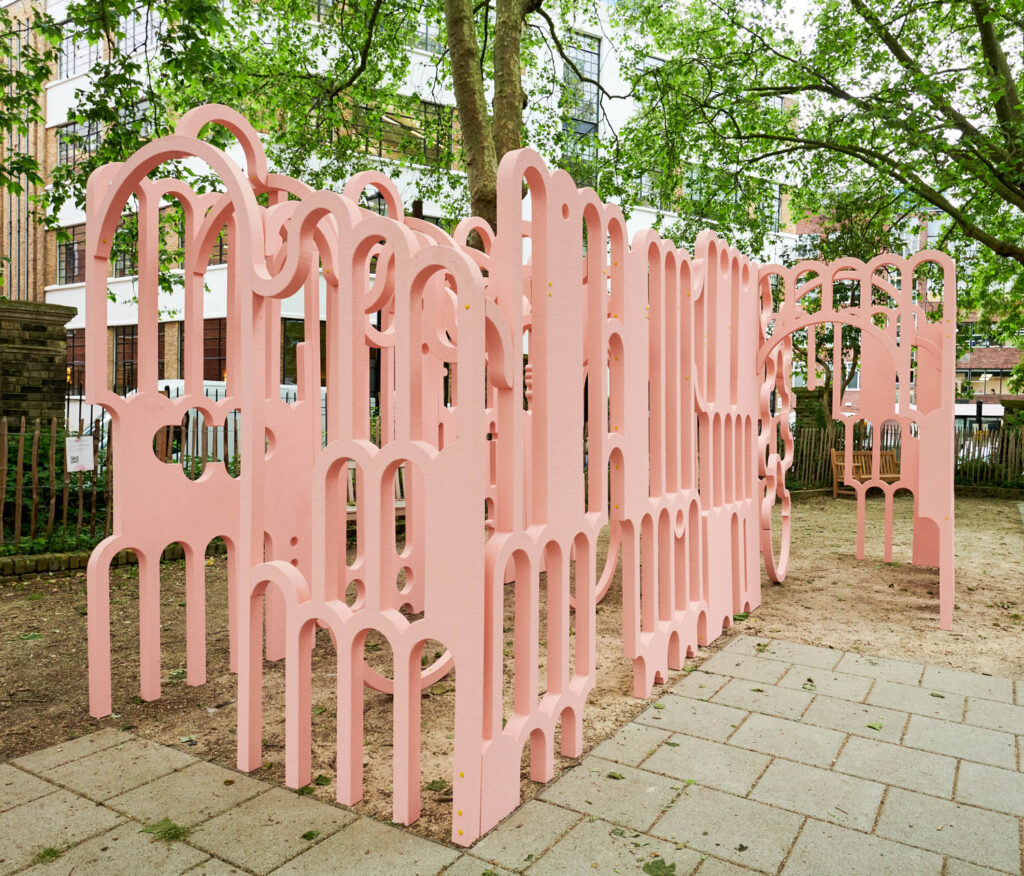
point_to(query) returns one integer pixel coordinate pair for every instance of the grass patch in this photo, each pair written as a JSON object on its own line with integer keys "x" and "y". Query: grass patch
{"x": 167, "y": 831}
{"x": 45, "y": 855}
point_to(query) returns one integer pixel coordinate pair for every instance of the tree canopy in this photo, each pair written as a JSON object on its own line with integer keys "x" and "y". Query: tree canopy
{"x": 921, "y": 100}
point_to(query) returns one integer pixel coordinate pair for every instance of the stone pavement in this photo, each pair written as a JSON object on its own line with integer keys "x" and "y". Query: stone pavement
{"x": 773, "y": 757}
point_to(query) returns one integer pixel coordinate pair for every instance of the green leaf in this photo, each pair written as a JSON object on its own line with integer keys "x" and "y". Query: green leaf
{"x": 617, "y": 776}
{"x": 658, "y": 867}
{"x": 940, "y": 696}
{"x": 437, "y": 785}
{"x": 29, "y": 637}
{"x": 659, "y": 705}
{"x": 322, "y": 780}
{"x": 876, "y": 726}
{"x": 305, "y": 791}
{"x": 742, "y": 616}
{"x": 310, "y": 835}
{"x": 319, "y": 710}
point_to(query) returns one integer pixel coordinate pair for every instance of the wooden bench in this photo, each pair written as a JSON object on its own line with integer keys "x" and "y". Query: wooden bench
{"x": 399, "y": 492}
{"x": 888, "y": 465}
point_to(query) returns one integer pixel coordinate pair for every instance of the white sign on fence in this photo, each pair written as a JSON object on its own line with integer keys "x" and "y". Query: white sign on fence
{"x": 79, "y": 454}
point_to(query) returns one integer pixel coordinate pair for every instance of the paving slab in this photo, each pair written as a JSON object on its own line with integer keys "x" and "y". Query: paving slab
{"x": 112, "y": 771}
{"x": 215, "y": 867}
{"x": 526, "y": 834}
{"x": 991, "y": 788}
{"x": 767, "y": 699}
{"x": 17, "y": 787}
{"x": 835, "y": 797}
{"x": 369, "y": 848}
{"x": 700, "y": 685}
{"x": 632, "y": 744}
{"x": 955, "y": 867}
{"x": 817, "y": 746}
{"x": 715, "y": 867}
{"x": 695, "y": 717}
{"x": 917, "y": 700}
{"x": 191, "y": 795}
{"x": 55, "y": 821}
{"x": 750, "y": 668}
{"x": 824, "y": 681}
{"x": 1019, "y": 689}
{"x": 901, "y": 671}
{"x": 856, "y": 718}
{"x": 827, "y": 848}
{"x": 123, "y": 851}
{"x": 712, "y": 764}
{"x": 972, "y": 684}
{"x": 48, "y": 758}
{"x": 264, "y": 832}
{"x": 961, "y": 740}
{"x": 975, "y": 835}
{"x": 742, "y": 831}
{"x": 786, "y": 652}
{"x": 635, "y": 800}
{"x": 600, "y": 847}
{"x": 995, "y": 716}
{"x": 470, "y": 865}
{"x": 895, "y": 765}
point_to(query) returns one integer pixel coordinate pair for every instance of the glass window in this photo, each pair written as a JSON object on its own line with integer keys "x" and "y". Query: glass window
{"x": 76, "y": 142}
{"x": 293, "y": 333}
{"x": 76, "y": 361}
{"x": 141, "y": 32}
{"x": 584, "y": 106}
{"x": 428, "y": 37}
{"x": 76, "y": 56}
{"x": 71, "y": 256}
{"x": 215, "y": 349}
{"x": 126, "y": 355}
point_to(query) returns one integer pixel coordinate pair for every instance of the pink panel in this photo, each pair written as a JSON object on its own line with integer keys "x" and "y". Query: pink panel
{"x": 649, "y": 388}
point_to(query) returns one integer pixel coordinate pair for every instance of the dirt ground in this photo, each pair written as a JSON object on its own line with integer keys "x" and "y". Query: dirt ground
{"x": 829, "y": 598}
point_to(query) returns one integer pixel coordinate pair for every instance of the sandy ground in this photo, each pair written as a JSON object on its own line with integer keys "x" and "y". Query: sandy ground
{"x": 829, "y": 598}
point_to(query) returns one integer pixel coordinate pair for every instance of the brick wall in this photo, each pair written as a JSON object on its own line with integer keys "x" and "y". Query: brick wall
{"x": 33, "y": 367}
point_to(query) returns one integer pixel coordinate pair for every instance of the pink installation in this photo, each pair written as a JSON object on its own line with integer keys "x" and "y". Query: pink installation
{"x": 645, "y": 405}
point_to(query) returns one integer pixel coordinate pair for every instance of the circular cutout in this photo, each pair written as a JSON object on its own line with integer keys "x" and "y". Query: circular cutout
{"x": 294, "y": 541}
{"x": 565, "y": 211}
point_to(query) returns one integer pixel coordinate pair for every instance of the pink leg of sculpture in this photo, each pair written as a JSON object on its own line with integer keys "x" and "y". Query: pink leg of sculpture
{"x": 149, "y": 626}
{"x": 195, "y": 621}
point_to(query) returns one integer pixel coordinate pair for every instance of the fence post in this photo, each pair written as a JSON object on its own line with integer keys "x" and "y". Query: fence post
{"x": 34, "y": 513}
{"x": 53, "y": 481}
{"x": 18, "y": 477}
{"x": 3, "y": 474}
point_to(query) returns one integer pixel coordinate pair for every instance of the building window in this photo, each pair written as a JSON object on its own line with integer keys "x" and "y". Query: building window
{"x": 160, "y": 341}
{"x": 76, "y": 56}
{"x": 215, "y": 349}
{"x": 219, "y": 253}
{"x": 424, "y": 136}
{"x": 126, "y": 356}
{"x": 76, "y": 142}
{"x": 71, "y": 256}
{"x": 123, "y": 254}
{"x": 141, "y": 33}
{"x": 76, "y": 361}
{"x": 293, "y": 332}
{"x": 584, "y": 111}
{"x": 428, "y": 37}
{"x": 437, "y": 128}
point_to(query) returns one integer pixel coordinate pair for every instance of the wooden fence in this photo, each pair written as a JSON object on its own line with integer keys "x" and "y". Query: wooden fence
{"x": 45, "y": 507}
{"x": 983, "y": 458}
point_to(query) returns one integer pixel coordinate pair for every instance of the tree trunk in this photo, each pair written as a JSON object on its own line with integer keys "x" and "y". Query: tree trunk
{"x": 471, "y": 103}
